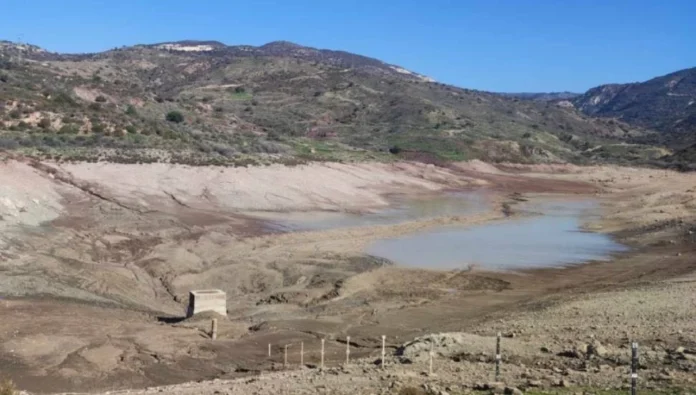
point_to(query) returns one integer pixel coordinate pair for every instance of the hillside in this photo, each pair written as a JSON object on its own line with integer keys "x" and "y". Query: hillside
{"x": 203, "y": 102}
{"x": 666, "y": 104}
{"x": 543, "y": 96}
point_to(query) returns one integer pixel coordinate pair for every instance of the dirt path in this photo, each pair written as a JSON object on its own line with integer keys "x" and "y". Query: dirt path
{"x": 98, "y": 260}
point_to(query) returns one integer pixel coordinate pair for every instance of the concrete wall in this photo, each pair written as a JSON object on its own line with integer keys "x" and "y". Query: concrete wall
{"x": 213, "y": 300}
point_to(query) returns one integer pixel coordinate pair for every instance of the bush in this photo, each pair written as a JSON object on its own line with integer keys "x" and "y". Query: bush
{"x": 94, "y": 106}
{"x": 239, "y": 89}
{"x": 44, "y": 123}
{"x": 395, "y": 149}
{"x": 69, "y": 129}
{"x": 100, "y": 99}
{"x": 131, "y": 129}
{"x": 98, "y": 128}
{"x": 130, "y": 110}
{"x": 64, "y": 98}
{"x": 175, "y": 116}
{"x": 7, "y": 144}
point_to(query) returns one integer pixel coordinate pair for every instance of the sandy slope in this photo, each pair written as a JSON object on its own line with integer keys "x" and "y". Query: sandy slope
{"x": 301, "y": 188}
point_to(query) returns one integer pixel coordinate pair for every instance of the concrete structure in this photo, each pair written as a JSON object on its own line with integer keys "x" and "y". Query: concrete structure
{"x": 201, "y": 301}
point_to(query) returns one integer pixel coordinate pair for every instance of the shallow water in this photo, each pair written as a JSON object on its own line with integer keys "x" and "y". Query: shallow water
{"x": 553, "y": 238}
{"x": 402, "y": 210}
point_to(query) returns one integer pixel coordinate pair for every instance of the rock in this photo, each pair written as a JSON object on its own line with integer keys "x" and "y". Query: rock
{"x": 443, "y": 392}
{"x": 492, "y": 386}
{"x": 582, "y": 348}
{"x": 596, "y": 348}
{"x": 513, "y": 391}
{"x": 545, "y": 349}
{"x": 680, "y": 350}
{"x": 534, "y": 383}
{"x": 560, "y": 383}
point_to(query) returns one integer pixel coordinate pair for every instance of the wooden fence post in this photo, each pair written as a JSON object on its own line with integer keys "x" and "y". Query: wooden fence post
{"x": 214, "y": 329}
{"x": 497, "y": 357}
{"x": 383, "y": 350}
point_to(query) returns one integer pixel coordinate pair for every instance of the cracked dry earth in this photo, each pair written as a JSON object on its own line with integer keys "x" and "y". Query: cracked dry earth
{"x": 97, "y": 261}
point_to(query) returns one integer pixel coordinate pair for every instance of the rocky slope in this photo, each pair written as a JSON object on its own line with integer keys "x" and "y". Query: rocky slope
{"x": 666, "y": 103}
{"x": 204, "y": 102}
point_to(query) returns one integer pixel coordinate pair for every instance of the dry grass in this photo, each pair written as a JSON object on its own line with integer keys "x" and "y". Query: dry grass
{"x": 7, "y": 387}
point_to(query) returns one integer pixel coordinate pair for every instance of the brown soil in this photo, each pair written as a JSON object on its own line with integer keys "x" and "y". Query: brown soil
{"x": 99, "y": 260}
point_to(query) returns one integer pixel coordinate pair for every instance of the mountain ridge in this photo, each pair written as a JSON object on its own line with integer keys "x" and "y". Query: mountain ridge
{"x": 666, "y": 103}
{"x": 204, "y": 102}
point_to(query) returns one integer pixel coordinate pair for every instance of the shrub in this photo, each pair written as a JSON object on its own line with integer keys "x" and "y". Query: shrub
{"x": 68, "y": 129}
{"x": 15, "y": 114}
{"x": 7, "y": 144}
{"x": 44, "y": 123}
{"x": 100, "y": 99}
{"x": 64, "y": 98}
{"x": 395, "y": 149}
{"x": 98, "y": 128}
{"x": 131, "y": 129}
{"x": 239, "y": 89}
{"x": 175, "y": 116}
{"x": 130, "y": 110}
{"x": 4, "y": 77}
{"x": 94, "y": 106}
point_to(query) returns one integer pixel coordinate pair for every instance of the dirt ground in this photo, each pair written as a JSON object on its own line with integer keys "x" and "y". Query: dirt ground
{"x": 98, "y": 259}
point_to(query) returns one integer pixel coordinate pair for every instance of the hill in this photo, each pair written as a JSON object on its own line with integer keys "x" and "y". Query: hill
{"x": 204, "y": 102}
{"x": 666, "y": 104}
{"x": 543, "y": 96}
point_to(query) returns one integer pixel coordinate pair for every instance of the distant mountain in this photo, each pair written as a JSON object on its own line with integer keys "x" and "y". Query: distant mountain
{"x": 543, "y": 96}
{"x": 666, "y": 104}
{"x": 204, "y": 102}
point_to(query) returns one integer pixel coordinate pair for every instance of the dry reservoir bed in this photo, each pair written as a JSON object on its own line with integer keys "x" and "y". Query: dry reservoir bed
{"x": 98, "y": 260}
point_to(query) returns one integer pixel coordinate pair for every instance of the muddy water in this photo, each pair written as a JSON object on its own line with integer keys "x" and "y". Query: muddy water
{"x": 549, "y": 235}
{"x": 552, "y": 237}
{"x": 402, "y": 210}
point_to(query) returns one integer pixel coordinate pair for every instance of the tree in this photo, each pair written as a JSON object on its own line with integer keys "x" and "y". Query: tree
{"x": 175, "y": 116}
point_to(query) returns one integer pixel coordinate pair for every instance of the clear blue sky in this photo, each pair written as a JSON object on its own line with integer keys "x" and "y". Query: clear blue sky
{"x": 496, "y": 45}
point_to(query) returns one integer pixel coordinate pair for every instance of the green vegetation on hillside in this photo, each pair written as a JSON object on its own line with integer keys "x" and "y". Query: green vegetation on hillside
{"x": 280, "y": 103}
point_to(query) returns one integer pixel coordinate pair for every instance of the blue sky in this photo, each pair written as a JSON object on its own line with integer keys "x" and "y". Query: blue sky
{"x": 496, "y": 45}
